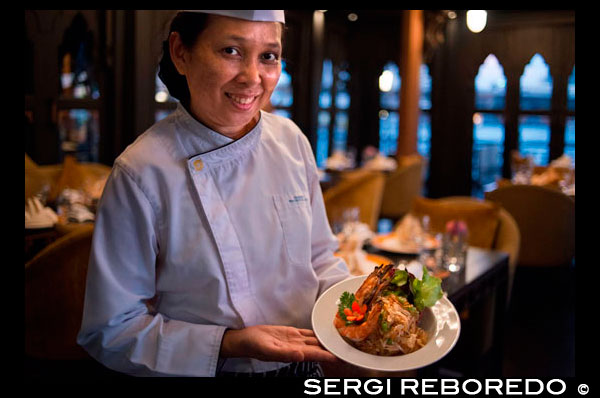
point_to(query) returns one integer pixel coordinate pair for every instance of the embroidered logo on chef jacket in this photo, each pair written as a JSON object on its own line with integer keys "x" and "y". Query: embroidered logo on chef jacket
{"x": 298, "y": 198}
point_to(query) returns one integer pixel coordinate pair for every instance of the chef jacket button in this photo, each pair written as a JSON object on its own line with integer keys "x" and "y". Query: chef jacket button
{"x": 198, "y": 165}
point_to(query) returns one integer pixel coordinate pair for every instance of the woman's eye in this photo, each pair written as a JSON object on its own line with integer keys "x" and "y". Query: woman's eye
{"x": 231, "y": 51}
{"x": 271, "y": 57}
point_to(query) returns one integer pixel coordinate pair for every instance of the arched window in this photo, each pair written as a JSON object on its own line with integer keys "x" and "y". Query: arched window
{"x": 535, "y": 103}
{"x": 488, "y": 124}
{"x": 78, "y": 107}
{"x": 570, "y": 121}
{"x": 334, "y": 103}
{"x": 283, "y": 95}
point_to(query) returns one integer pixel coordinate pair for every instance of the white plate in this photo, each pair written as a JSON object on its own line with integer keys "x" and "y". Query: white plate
{"x": 390, "y": 243}
{"x": 441, "y": 322}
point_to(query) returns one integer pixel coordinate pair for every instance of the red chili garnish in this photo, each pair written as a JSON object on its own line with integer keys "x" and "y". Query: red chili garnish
{"x": 357, "y": 313}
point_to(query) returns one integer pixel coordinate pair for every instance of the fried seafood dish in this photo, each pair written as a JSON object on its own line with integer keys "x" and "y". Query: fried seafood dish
{"x": 382, "y": 316}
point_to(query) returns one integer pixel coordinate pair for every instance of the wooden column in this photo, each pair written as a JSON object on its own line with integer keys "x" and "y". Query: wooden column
{"x": 410, "y": 65}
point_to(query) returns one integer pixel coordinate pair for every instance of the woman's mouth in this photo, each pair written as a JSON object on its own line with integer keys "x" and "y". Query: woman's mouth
{"x": 243, "y": 102}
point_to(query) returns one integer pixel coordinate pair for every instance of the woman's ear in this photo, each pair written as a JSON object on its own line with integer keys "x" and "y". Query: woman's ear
{"x": 177, "y": 51}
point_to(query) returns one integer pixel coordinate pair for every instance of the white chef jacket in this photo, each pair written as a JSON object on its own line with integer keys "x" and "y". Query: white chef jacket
{"x": 196, "y": 233}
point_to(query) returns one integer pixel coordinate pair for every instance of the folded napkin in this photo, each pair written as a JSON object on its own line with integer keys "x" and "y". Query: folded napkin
{"x": 352, "y": 239}
{"x": 410, "y": 232}
{"x": 353, "y": 236}
{"x": 413, "y": 236}
{"x": 381, "y": 162}
{"x": 38, "y": 216}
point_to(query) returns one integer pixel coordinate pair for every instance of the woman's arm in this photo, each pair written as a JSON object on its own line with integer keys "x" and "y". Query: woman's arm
{"x": 119, "y": 328}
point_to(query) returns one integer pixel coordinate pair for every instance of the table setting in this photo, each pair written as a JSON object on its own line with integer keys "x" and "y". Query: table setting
{"x": 340, "y": 160}
{"x": 560, "y": 173}
{"x": 47, "y": 221}
{"x": 352, "y": 236}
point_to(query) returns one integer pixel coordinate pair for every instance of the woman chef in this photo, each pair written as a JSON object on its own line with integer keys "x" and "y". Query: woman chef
{"x": 211, "y": 241}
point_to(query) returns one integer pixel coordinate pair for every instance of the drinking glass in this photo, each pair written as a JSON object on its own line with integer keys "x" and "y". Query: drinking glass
{"x": 454, "y": 252}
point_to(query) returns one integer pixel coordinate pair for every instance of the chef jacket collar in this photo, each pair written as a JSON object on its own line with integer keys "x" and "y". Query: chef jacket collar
{"x": 211, "y": 146}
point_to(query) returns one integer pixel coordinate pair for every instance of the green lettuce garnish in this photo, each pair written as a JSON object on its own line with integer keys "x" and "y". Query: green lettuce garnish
{"x": 400, "y": 277}
{"x": 427, "y": 291}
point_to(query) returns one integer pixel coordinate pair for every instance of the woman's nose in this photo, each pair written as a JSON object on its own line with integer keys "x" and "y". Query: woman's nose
{"x": 250, "y": 73}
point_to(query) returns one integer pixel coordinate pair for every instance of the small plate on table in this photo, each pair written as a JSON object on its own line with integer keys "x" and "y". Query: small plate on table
{"x": 441, "y": 322}
{"x": 390, "y": 243}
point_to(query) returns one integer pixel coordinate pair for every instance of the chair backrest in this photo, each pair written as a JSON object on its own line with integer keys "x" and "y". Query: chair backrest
{"x": 481, "y": 217}
{"x": 41, "y": 178}
{"x": 89, "y": 177}
{"x": 401, "y": 188}
{"x": 508, "y": 239}
{"x": 29, "y": 163}
{"x": 54, "y": 294}
{"x": 357, "y": 188}
{"x": 546, "y": 220}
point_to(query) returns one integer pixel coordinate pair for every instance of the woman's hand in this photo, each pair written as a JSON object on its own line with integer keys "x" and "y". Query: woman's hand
{"x": 274, "y": 343}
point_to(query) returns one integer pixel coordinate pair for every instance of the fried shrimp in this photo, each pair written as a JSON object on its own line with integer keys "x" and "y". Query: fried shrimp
{"x": 382, "y": 317}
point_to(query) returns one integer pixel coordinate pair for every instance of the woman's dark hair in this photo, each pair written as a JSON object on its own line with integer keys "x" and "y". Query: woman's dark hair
{"x": 189, "y": 25}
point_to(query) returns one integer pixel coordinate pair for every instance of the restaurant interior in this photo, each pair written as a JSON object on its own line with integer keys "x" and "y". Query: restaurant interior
{"x": 422, "y": 122}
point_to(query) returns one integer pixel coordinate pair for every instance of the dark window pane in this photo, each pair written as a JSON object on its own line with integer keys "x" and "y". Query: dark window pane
{"x": 424, "y": 135}
{"x": 388, "y": 132}
{"x": 488, "y": 149}
{"x": 322, "y": 138}
{"x": 570, "y": 138}
{"x": 283, "y": 95}
{"x": 76, "y": 63}
{"x": 425, "y": 83}
{"x": 340, "y": 131}
{"x": 79, "y": 133}
{"x": 571, "y": 92}
{"x": 534, "y": 137}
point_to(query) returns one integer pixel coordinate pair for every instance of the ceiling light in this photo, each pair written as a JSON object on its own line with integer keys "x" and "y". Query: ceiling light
{"x": 476, "y": 20}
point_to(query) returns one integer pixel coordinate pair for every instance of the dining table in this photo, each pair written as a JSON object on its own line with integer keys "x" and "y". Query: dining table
{"x": 478, "y": 292}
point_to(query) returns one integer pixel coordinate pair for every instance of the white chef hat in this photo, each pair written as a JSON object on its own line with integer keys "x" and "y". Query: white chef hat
{"x": 250, "y": 15}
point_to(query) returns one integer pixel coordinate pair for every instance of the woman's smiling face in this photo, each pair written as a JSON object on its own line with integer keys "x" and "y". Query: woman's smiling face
{"x": 231, "y": 71}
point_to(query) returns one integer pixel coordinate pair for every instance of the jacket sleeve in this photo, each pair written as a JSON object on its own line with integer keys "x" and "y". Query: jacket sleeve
{"x": 119, "y": 327}
{"x": 329, "y": 268}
